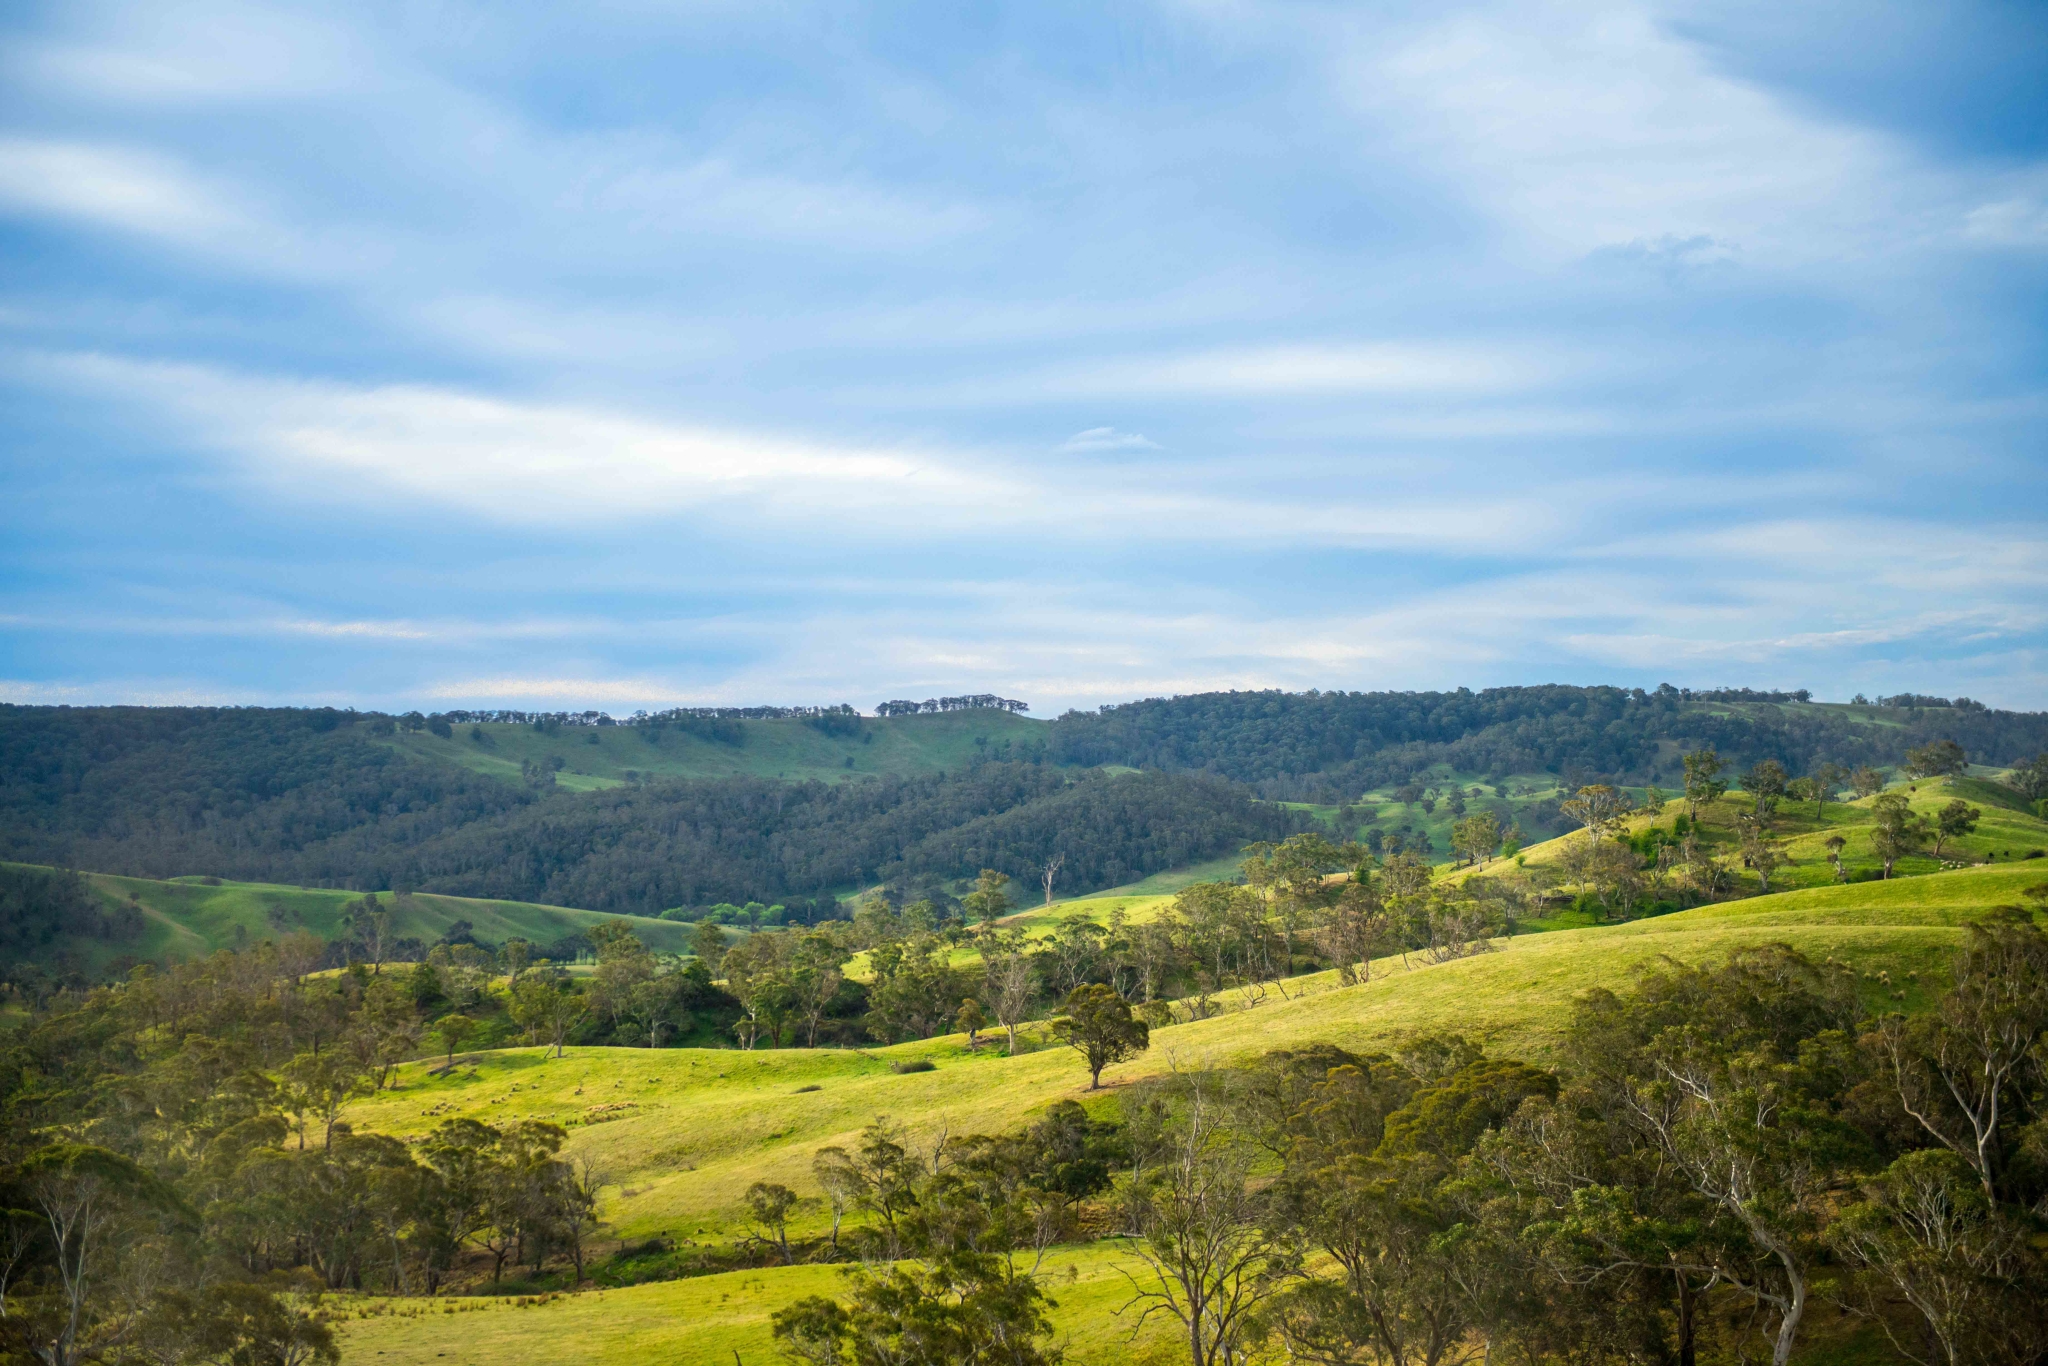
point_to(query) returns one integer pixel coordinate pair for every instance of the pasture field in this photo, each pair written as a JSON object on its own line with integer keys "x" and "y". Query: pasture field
{"x": 2006, "y": 834}
{"x": 712, "y": 1320}
{"x": 190, "y": 917}
{"x": 606, "y": 756}
{"x": 683, "y": 1132}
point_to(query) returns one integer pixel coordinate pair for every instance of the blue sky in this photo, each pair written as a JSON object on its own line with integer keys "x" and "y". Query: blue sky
{"x": 630, "y": 355}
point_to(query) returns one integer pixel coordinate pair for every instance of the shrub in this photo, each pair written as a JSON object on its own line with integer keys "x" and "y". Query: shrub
{"x": 915, "y": 1065}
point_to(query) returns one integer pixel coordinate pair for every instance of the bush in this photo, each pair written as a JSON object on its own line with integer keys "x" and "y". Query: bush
{"x": 915, "y": 1065}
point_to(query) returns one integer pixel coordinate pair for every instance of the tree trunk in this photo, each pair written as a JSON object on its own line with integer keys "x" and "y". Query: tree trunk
{"x": 1688, "y": 1332}
{"x": 1788, "y": 1330}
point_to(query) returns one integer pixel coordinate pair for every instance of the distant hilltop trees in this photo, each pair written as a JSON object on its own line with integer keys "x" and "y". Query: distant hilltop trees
{"x": 638, "y": 718}
{"x": 969, "y": 703}
{"x": 417, "y": 721}
{"x": 1733, "y": 694}
{"x": 1914, "y": 699}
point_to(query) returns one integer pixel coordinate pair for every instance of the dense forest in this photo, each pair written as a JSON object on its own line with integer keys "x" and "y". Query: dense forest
{"x": 1328, "y": 746}
{"x": 690, "y": 843}
{"x": 310, "y": 797}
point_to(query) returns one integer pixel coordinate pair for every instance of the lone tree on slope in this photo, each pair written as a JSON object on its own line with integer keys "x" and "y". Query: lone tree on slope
{"x": 1099, "y": 1025}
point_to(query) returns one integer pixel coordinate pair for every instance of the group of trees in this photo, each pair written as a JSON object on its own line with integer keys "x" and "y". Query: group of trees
{"x": 1720, "y": 1150}
{"x": 177, "y": 1182}
{"x": 971, "y": 702}
{"x": 1622, "y": 871}
{"x": 39, "y": 908}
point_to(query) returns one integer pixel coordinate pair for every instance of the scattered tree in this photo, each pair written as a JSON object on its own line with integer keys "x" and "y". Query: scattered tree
{"x": 1703, "y": 784}
{"x": 1895, "y": 831}
{"x": 1941, "y": 759}
{"x": 769, "y": 1205}
{"x": 1099, "y": 1025}
{"x": 989, "y": 901}
{"x": 1954, "y": 821}
{"x": 1765, "y": 783}
{"x": 452, "y": 1030}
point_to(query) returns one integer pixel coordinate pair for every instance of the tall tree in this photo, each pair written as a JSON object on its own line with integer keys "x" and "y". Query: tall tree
{"x": 1954, "y": 821}
{"x": 1895, "y": 830}
{"x": 1765, "y": 783}
{"x": 1100, "y": 1027}
{"x": 1940, "y": 759}
{"x": 1703, "y": 784}
{"x": 989, "y": 900}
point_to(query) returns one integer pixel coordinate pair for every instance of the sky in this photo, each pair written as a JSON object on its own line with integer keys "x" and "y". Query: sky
{"x": 619, "y": 355}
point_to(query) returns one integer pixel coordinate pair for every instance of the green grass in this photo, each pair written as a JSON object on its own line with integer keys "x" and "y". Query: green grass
{"x": 713, "y": 1320}
{"x": 601, "y": 756}
{"x": 703, "y": 1124}
{"x": 683, "y": 1132}
{"x": 2005, "y": 834}
{"x": 185, "y": 918}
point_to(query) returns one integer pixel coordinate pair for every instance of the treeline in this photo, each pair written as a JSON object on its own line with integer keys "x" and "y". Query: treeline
{"x": 970, "y": 702}
{"x": 1329, "y": 746}
{"x": 199, "y": 1219}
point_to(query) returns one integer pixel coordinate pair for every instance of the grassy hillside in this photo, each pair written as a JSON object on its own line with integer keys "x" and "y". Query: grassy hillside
{"x": 2006, "y": 832}
{"x": 706, "y": 1123}
{"x": 683, "y": 1132}
{"x": 190, "y": 917}
{"x": 605, "y": 756}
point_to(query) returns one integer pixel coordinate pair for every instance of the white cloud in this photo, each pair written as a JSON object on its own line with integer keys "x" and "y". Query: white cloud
{"x": 1368, "y": 367}
{"x": 114, "y": 186}
{"x": 514, "y": 690}
{"x": 1281, "y": 370}
{"x": 2021, "y": 221}
{"x": 577, "y": 466}
{"x": 1108, "y": 439}
{"x": 193, "y": 51}
{"x": 525, "y": 462}
{"x": 1590, "y": 126}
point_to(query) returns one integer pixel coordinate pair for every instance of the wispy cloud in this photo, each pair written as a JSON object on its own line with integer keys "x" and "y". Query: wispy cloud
{"x": 742, "y": 352}
{"x": 111, "y": 186}
{"x": 1108, "y": 439}
{"x": 514, "y": 461}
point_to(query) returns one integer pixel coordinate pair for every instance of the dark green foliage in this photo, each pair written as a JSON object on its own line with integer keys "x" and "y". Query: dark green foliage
{"x": 39, "y": 907}
{"x": 1329, "y": 746}
{"x": 309, "y": 797}
{"x": 287, "y": 795}
{"x": 961, "y": 1309}
{"x": 1099, "y": 1026}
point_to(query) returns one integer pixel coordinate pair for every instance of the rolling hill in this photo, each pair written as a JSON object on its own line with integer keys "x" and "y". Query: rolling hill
{"x": 683, "y": 1132}
{"x": 192, "y": 916}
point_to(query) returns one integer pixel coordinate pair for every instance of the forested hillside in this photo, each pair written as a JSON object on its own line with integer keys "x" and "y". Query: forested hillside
{"x": 1329, "y": 746}
{"x": 319, "y": 798}
{"x": 673, "y": 844}
{"x": 551, "y": 808}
